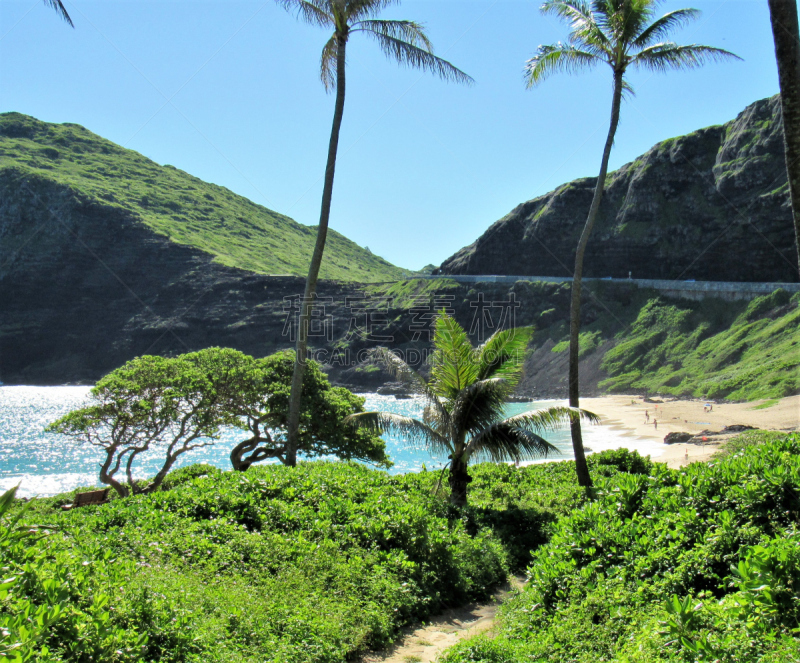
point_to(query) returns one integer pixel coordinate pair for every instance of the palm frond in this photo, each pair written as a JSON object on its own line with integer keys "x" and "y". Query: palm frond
{"x": 664, "y": 25}
{"x": 503, "y": 354}
{"x": 327, "y": 64}
{"x": 362, "y": 9}
{"x": 61, "y": 10}
{"x": 418, "y": 58}
{"x": 555, "y": 59}
{"x": 503, "y": 441}
{"x": 585, "y": 32}
{"x": 415, "y": 383}
{"x": 455, "y": 365}
{"x": 630, "y": 17}
{"x": 417, "y": 433}
{"x": 315, "y": 12}
{"x": 408, "y": 31}
{"x": 669, "y": 55}
{"x": 550, "y": 418}
{"x": 479, "y": 405}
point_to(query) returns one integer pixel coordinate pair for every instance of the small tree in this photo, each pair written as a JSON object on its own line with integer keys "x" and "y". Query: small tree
{"x": 260, "y": 399}
{"x": 465, "y": 398}
{"x": 149, "y": 403}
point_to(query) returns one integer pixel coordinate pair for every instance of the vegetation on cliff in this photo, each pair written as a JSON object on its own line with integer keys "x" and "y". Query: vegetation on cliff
{"x": 633, "y": 339}
{"x": 174, "y": 204}
{"x": 671, "y": 349}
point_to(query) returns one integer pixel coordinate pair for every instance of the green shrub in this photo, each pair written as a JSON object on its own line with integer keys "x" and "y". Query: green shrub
{"x": 697, "y": 564}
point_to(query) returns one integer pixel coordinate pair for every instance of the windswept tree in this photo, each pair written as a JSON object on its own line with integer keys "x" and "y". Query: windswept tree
{"x": 259, "y": 398}
{"x": 465, "y": 401}
{"x": 786, "y": 35}
{"x": 403, "y": 41}
{"x": 175, "y": 405}
{"x": 624, "y": 35}
{"x": 152, "y": 404}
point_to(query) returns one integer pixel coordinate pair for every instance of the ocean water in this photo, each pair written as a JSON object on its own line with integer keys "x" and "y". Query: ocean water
{"x": 49, "y": 463}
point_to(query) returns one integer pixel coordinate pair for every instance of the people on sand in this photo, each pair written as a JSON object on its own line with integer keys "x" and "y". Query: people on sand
{"x": 655, "y": 424}
{"x": 646, "y": 417}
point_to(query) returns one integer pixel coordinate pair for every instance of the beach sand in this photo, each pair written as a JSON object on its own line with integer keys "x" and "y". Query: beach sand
{"x": 627, "y": 415}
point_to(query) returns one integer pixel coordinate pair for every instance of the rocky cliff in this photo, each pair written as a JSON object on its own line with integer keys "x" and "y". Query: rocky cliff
{"x": 712, "y": 205}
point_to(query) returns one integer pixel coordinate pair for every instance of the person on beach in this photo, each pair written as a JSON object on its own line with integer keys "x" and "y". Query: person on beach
{"x": 655, "y": 424}
{"x": 646, "y": 417}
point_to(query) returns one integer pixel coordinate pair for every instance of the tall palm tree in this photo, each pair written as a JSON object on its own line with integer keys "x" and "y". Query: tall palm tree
{"x": 623, "y": 35}
{"x": 61, "y": 10}
{"x": 786, "y": 35}
{"x": 465, "y": 398}
{"x": 405, "y": 42}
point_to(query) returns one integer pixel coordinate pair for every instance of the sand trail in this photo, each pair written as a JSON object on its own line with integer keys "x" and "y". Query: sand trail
{"x": 422, "y": 644}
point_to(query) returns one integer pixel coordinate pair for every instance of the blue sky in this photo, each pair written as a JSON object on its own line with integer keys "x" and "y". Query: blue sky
{"x": 229, "y": 91}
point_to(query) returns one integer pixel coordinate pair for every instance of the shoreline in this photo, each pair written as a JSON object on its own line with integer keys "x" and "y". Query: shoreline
{"x": 626, "y": 414}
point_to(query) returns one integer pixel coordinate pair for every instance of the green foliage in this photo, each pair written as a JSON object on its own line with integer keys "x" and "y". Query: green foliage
{"x": 302, "y": 564}
{"x": 53, "y": 601}
{"x": 465, "y": 398}
{"x": 306, "y": 564}
{"x": 683, "y": 350}
{"x": 698, "y": 564}
{"x": 258, "y": 396}
{"x": 587, "y": 342}
{"x": 176, "y": 205}
{"x": 180, "y": 403}
{"x": 413, "y": 292}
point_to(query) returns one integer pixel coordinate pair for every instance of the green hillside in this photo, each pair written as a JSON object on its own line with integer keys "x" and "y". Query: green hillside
{"x": 236, "y": 231}
{"x": 711, "y": 349}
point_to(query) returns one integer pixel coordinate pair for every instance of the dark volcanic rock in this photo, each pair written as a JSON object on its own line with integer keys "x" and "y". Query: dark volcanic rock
{"x": 712, "y": 205}
{"x": 675, "y": 438}
{"x": 737, "y": 428}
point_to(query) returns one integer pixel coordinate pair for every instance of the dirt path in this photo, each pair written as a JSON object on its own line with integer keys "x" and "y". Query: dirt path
{"x": 424, "y": 643}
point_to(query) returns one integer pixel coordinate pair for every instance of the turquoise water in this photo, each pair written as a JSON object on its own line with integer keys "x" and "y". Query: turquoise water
{"x": 48, "y": 463}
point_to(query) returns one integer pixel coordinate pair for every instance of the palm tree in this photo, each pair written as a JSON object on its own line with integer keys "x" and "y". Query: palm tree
{"x": 60, "y": 10}
{"x": 405, "y": 42}
{"x": 465, "y": 398}
{"x": 623, "y": 35}
{"x": 786, "y": 34}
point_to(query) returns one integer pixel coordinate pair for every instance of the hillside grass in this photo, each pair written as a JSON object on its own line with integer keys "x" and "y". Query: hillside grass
{"x": 176, "y": 205}
{"x": 312, "y": 564}
{"x": 679, "y": 349}
{"x": 696, "y": 564}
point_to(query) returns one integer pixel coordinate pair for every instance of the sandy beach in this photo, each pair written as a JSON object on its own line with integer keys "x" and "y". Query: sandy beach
{"x": 628, "y": 414}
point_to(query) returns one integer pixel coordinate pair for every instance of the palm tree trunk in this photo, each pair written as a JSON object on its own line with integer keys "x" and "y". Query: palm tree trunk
{"x": 785, "y": 32}
{"x": 459, "y": 480}
{"x": 316, "y": 260}
{"x": 575, "y": 304}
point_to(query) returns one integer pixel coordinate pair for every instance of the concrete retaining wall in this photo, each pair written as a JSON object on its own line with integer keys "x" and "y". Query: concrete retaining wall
{"x": 686, "y": 289}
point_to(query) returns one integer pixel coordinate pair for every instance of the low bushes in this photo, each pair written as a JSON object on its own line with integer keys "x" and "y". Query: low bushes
{"x": 291, "y": 565}
{"x": 698, "y": 564}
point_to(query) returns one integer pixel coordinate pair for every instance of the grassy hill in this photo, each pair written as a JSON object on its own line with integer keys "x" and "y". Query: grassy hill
{"x": 236, "y": 231}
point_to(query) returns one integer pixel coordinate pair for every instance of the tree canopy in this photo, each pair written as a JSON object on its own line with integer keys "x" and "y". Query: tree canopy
{"x": 180, "y": 404}
{"x": 260, "y": 402}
